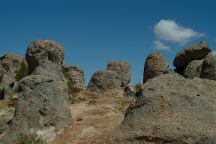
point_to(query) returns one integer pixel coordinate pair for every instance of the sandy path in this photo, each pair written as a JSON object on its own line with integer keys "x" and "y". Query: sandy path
{"x": 93, "y": 119}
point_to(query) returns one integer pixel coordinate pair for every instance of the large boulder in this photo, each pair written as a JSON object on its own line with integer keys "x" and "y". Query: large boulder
{"x": 43, "y": 99}
{"x": 104, "y": 82}
{"x": 155, "y": 65}
{"x": 171, "y": 110}
{"x": 209, "y": 67}
{"x": 195, "y": 52}
{"x": 193, "y": 69}
{"x": 123, "y": 69}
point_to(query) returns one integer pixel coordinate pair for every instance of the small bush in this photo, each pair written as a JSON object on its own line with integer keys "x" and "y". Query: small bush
{"x": 91, "y": 102}
{"x": 29, "y": 139}
{"x": 138, "y": 87}
{"x": 22, "y": 72}
{"x": 72, "y": 89}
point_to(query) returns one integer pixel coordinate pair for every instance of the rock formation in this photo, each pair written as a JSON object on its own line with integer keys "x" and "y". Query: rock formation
{"x": 42, "y": 102}
{"x": 170, "y": 110}
{"x": 155, "y": 65}
{"x": 104, "y": 82}
{"x": 195, "y": 52}
{"x": 209, "y": 67}
{"x": 193, "y": 69}
{"x": 123, "y": 69}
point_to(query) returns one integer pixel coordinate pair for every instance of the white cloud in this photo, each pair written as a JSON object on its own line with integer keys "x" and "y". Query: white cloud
{"x": 160, "y": 45}
{"x": 169, "y": 30}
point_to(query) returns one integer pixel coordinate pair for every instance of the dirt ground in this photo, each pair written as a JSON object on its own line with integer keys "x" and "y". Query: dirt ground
{"x": 93, "y": 118}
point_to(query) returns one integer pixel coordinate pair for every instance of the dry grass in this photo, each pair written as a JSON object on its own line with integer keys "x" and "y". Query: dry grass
{"x": 101, "y": 112}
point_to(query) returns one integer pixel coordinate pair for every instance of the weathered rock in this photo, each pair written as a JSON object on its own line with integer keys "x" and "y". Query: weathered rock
{"x": 11, "y": 64}
{"x": 123, "y": 69}
{"x": 44, "y": 50}
{"x": 104, "y": 82}
{"x": 209, "y": 67}
{"x": 171, "y": 110}
{"x": 41, "y": 103}
{"x": 193, "y": 69}
{"x": 155, "y": 65}
{"x": 77, "y": 75}
{"x": 43, "y": 99}
{"x": 195, "y": 52}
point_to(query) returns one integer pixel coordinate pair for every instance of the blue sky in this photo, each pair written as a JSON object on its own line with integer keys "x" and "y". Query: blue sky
{"x": 96, "y": 31}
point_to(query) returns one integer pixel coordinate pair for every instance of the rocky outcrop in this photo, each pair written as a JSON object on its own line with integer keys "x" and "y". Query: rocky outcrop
{"x": 43, "y": 96}
{"x": 123, "y": 69}
{"x": 209, "y": 67}
{"x": 193, "y": 69}
{"x": 155, "y": 65}
{"x": 77, "y": 75}
{"x": 195, "y": 52}
{"x": 104, "y": 82}
{"x": 171, "y": 109}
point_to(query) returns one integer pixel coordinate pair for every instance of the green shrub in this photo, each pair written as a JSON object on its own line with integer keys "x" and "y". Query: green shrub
{"x": 22, "y": 72}
{"x": 138, "y": 87}
{"x": 29, "y": 139}
{"x": 72, "y": 89}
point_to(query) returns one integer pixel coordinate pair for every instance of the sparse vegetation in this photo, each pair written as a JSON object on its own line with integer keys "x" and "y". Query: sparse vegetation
{"x": 29, "y": 139}
{"x": 138, "y": 87}
{"x": 92, "y": 102}
{"x": 72, "y": 89}
{"x": 22, "y": 72}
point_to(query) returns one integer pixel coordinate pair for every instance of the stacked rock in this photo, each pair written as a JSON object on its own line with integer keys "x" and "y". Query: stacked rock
{"x": 188, "y": 62}
{"x": 116, "y": 77}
